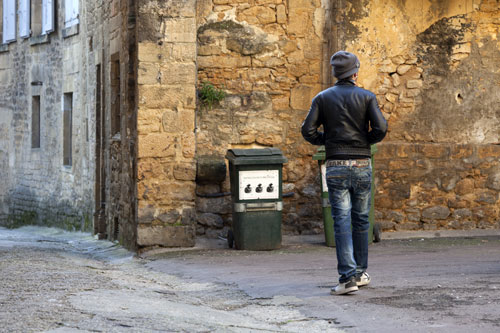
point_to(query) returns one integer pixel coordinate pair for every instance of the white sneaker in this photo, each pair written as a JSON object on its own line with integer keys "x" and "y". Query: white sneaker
{"x": 363, "y": 280}
{"x": 345, "y": 288}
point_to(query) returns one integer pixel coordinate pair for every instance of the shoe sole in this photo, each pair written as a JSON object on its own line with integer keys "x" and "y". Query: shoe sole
{"x": 345, "y": 291}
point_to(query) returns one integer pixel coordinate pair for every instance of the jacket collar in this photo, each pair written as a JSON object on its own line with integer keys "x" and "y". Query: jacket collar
{"x": 345, "y": 82}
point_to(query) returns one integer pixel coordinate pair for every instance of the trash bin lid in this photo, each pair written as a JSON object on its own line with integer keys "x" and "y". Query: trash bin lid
{"x": 255, "y": 156}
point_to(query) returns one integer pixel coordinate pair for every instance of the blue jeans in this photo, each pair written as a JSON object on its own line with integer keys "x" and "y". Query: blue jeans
{"x": 349, "y": 191}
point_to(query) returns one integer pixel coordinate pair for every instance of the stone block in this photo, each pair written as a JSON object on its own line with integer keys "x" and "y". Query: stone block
{"x": 413, "y": 84}
{"x": 178, "y": 73}
{"x": 149, "y": 73}
{"x": 152, "y": 52}
{"x": 269, "y": 139}
{"x": 387, "y": 66}
{"x": 185, "y": 171}
{"x": 461, "y": 151}
{"x": 257, "y": 15}
{"x": 167, "y": 97}
{"x": 156, "y": 145}
{"x": 166, "y": 235}
{"x": 435, "y": 213}
{"x": 146, "y": 215}
{"x": 180, "y": 30}
{"x": 188, "y": 144}
{"x": 211, "y": 220}
{"x": 301, "y": 97}
{"x": 465, "y": 186}
{"x": 281, "y": 14}
{"x": 299, "y": 21}
{"x": 220, "y": 205}
{"x": 223, "y": 62}
{"x": 487, "y": 196}
{"x": 485, "y": 151}
{"x": 435, "y": 150}
{"x": 408, "y": 226}
{"x": 178, "y": 121}
{"x": 403, "y": 69}
{"x": 387, "y": 225}
{"x": 462, "y": 213}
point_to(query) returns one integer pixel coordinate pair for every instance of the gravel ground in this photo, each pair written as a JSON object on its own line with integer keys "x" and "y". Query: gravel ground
{"x": 56, "y": 281}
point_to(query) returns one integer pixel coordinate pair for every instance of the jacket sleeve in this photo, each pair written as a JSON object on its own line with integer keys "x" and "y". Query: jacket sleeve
{"x": 378, "y": 124}
{"x": 310, "y": 125}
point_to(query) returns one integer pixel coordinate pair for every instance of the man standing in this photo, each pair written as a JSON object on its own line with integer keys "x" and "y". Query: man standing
{"x": 352, "y": 121}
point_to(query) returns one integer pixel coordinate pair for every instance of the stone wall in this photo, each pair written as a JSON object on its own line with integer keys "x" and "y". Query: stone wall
{"x": 433, "y": 65}
{"x": 435, "y": 75}
{"x": 165, "y": 122}
{"x": 268, "y": 57}
{"x": 35, "y": 186}
{"x": 437, "y": 186}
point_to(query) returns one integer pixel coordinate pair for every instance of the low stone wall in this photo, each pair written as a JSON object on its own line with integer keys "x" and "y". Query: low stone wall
{"x": 437, "y": 186}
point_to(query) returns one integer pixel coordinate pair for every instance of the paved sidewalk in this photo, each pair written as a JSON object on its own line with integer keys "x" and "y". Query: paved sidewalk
{"x": 432, "y": 281}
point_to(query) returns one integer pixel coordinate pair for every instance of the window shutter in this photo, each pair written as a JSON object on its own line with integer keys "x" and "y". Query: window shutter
{"x": 24, "y": 18}
{"x": 47, "y": 16}
{"x": 70, "y": 13}
{"x": 9, "y": 20}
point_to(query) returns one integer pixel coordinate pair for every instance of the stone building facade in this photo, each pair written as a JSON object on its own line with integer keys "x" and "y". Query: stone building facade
{"x": 123, "y": 137}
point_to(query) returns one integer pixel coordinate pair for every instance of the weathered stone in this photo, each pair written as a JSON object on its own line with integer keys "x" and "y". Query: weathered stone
{"x": 395, "y": 216}
{"x": 281, "y": 14}
{"x": 301, "y": 97}
{"x": 387, "y": 66}
{"x": 413, "y": 84}
{"x": 403, "y": 69}
{"x": 487, "y": 196}
{"x": 386, "y": 225}
{"x": 436, "y": 213}
{"x": 396, "y": 81}
{"x": 167, "y": 236}
{"x": 169, "y": 217}
{"x": 211, "y": 220}
{"x": 393, "y": 98}
{"x": 258, "y": 15}
{"x": 493, "y": 181}
{"x": 408, "y": 226}
{"x": 156, "y": 145}
{"x": 185, "y": 171}
{"x": 211, "y": 169}
{"x": 218, "y": 205}
{"x": 465, "y": 186}
{"x": 461, "y": 214}
{"x": 146, "y": 215}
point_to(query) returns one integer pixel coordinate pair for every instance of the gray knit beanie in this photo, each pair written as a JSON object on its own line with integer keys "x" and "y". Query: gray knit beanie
{"x": 344, "y": 64}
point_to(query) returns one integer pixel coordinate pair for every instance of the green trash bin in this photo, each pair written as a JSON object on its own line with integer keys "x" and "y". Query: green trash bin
{"x": 325, "y": 202}
{"x": 257, "y": 198}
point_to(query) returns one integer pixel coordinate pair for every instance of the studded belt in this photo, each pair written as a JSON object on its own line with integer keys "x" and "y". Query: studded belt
{"x": 352, "y": 163}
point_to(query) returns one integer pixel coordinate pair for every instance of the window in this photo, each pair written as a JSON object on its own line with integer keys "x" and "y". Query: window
{"x": 9, "y": 21}
{"x": 47, "y": 16}
{"x": 35, "y": 122}
{"x": 67, "y": 128}
{"x": 115, "y": 96}
{"x": 70, "y": 13}
{"x": 24, "y": 18}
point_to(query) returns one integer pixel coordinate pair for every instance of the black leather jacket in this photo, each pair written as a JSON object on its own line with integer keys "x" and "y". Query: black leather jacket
{"x": 351, "y": 120}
